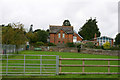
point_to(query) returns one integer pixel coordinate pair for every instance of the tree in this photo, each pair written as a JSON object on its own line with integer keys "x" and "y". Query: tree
{"x": 42, "y": 35}
{"x": 117, "y": 39}
{"x": 89, "y": 29}
{"x": 32, "y": 37}
{"x": 14, "y": 34}
{"x": 66, "y": 23}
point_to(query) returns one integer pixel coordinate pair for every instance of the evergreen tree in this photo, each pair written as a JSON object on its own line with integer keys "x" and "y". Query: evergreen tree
{"x": 66, "y": 23}
{"x": 89, "y": 29}
{"x": 117, "y": 39}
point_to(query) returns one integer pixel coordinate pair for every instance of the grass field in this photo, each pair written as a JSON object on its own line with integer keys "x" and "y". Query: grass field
{"x": 73, "y": 69}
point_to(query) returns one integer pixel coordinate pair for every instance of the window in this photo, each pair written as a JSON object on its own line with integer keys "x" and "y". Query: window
{"x": 103, "y": 38}
{"x": 63, "y": 35}
{"x": 74, "y": 37}
{"x": 58, "y": 35}
{"x": 58, "y": 41}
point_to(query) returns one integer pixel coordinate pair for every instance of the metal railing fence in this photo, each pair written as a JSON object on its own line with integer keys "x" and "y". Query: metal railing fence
{"x": 8, "y": 49}
{"x": 30, "y": 65}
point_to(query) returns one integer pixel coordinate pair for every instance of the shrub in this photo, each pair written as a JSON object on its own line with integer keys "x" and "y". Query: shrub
{"x": 70, "y": 44}
{"x": 99, "y": 47}
{"x": 106, "y": 45}
{"x": 90, "y": 44}
{"x": 115, "y": 48}
{"x": 51, "y": 44}
{"x": 39, "y": 43}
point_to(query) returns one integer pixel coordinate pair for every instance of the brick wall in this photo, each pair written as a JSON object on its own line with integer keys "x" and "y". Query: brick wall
{"x": 78, "y": 37}
{"x": 54, "y": 38}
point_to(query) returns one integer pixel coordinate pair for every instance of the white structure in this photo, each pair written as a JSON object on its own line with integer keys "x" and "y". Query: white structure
{"x": 104, "y": 39}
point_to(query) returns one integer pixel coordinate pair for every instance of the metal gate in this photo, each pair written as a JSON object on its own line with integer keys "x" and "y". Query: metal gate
{"x": 30, "y": 65}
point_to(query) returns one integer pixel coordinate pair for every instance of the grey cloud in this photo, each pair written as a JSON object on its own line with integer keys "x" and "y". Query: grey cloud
{"x": 42, "y": 13}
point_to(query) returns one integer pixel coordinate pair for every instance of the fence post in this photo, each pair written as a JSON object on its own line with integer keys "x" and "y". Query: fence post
{"x": 60, "y": 64}
{"x": 7, "y": 65}
{"x": 40, "y": 64}
{"x": 24, "y": 64}
{"x": 108, "y": 66}
{"x": 57, "y": 65}
{"x": 83, "y": 65}
{"x": 8, "y": 48}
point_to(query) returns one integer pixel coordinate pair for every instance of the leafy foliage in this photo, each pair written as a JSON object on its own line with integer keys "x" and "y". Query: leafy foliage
{"x": 98, "y": 47}
{"x": 114, "y": 48}
{"x": 32, "y": 37}
{"x": 117, "y": 39}
{"x": 66, "y": 23}
{"x": 89, "y": 29}
{"x": 90, "y": 44}
{"x": 37, "y": 36}
{"x": 42, "y": 35}
{"x": 70, "y": 44}
{"x": 51, "y": 44}
{"x": 106, "y": 45}
{"x": 14, "y": 34}
{"x": 39, "y": 43}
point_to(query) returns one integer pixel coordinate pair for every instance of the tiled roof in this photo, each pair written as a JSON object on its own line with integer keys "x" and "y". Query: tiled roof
{"x": 78, "y": 34}
{"x": 105, "y": 37}
{"x": 56, "y": 29}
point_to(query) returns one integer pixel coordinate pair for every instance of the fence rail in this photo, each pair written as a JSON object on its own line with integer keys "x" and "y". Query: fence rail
{"x": 21, "y": 64}
{"x": 83, "y": 65}
{"x": 30, "y": 65}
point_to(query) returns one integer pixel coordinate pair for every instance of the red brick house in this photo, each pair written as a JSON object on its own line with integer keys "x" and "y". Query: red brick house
{"x": 63, "y": 34}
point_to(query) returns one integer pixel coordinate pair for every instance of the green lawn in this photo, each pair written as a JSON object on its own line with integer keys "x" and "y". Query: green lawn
{"x": 69, "y": 69}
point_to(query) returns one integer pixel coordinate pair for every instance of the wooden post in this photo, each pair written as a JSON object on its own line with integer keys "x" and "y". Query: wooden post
{"x": 60, "y": 63}
{"x": 24, "y": 64}
{"x": 83, "y": 65}
{"x": 108, "y": 66}
{"x": 7, "y": 65}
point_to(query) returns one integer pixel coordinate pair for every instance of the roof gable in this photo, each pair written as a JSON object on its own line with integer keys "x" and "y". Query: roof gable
{"x": 78, "y": 34}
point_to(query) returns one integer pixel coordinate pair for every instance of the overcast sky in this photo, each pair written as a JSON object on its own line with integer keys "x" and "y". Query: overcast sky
{"x": 42, "y": 13}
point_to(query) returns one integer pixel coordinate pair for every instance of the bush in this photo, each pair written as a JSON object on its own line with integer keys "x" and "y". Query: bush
{"x": 115, "y": 48}
{"x": 51, "y": 44}
{"x": 99, "y": 47}
{"x": 70, "y": 44}
{"x": 106, "y": 45}
{"x": 39, "y": 43}
{"x": 90, "y": 44}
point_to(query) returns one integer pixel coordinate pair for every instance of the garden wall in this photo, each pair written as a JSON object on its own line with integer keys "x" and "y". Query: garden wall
{"x": 75, "y": 50}
{"x": 100, "y": 52}
{"x": 59, "y": 49}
